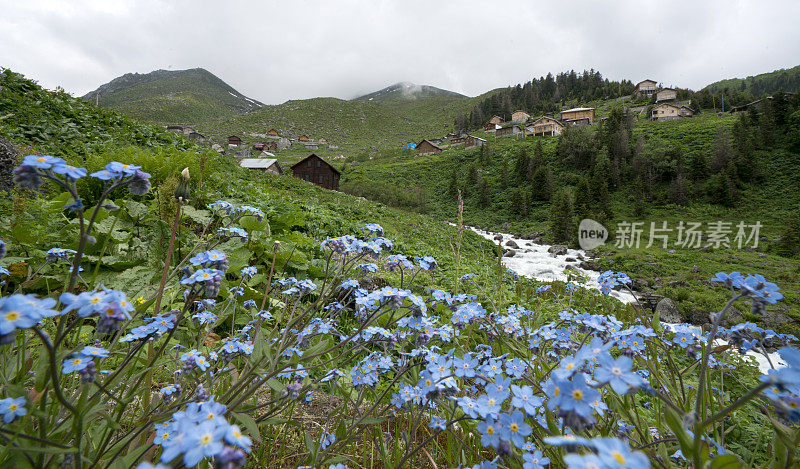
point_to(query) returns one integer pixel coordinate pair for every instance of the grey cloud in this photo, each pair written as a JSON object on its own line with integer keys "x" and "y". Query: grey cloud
{"x": 274, "y": 51}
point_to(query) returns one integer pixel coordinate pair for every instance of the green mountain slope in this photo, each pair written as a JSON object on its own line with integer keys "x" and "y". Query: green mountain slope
{"x": 180, "y": 96}
{"x": 761, "y": 84}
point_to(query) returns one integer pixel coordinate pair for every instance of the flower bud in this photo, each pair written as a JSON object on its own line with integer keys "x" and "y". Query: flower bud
{"x": 182, "y": 191}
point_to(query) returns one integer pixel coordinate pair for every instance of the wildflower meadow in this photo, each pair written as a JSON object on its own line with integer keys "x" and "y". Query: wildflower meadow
{"x": 420, "y": 366}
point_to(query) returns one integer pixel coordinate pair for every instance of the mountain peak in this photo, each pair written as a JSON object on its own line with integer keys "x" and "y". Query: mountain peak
{"x": 407, "y": 91}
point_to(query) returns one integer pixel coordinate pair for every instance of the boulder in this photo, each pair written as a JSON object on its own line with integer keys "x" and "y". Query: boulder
{"x": 774, "y": 319}
{"x": 510, "y": 243}
{"x": 570, "y": 259}
{"x": 678, "y": 283}
{"x": 8, "y": 159}
{"x": 588, "y": 265}
{"x": 668, "y": 311}
{"x": 557, "y": 250}
{"x": 537, "y": 240}
{"x": 698, "y": 317}
{"x": 510, "y": 253}
{"x": 639, "y": 285}
{"x": 498, "y": 237}
{"x": 649, "y": 300}
{"x": 506, "y": 226}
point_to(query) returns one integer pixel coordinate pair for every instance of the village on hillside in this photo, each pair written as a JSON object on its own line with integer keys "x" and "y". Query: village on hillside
{"x": 257, "y": 152}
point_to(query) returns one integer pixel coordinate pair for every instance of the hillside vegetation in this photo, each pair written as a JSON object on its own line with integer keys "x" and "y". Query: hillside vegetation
{"x": 701, "y": 170}
{"x": 787, "y": 80}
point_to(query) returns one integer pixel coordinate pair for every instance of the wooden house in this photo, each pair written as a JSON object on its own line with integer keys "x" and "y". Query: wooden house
{"x": 187, "y": 130}
{"x": 318, "y": 171}
{"x": 578, "y": 116}
{"x": 178, "y": 129}
{"x": 272, "y": 133}
{"x": 303, "y": 138}
{"x": 197, "y": 137}
{"x": 667, "y": 94}
{"x": 496, "y": 120}
{"x": 427, "y": 147}
{"x": 458, "y": 138}
{"x": 267, "y": 165}
{"x": 509, "y": 131}
{"x": 234, "y": 140}
{"x": 520, "y": 117}
{"x": 472, "y": 142}
{"x": 645, "y": 88}
{"x": 546, "y": 126}
{"x": 322, "y": 140}
{"x": 490, "y": 127}
{"x": 667, "y": 111}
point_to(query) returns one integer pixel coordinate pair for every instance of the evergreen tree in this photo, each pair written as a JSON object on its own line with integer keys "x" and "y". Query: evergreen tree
{"x": 541, "y": 184}
{"x": 504, "y": 176}
{"x": 483, "y": 193}
{"x": 583, "y": 198}
{"x": 561, "y": 217}
{"x": 452, "y": 189}
{"x": 521, "y": 166}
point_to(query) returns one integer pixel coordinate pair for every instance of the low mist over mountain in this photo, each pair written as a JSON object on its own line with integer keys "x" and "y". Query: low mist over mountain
{"x": 170, "y": 96}
{"x": 405, "y": 91}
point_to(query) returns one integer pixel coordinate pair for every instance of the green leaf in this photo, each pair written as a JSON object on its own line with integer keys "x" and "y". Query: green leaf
{"x": 249, "y": 424}
{"x": 254, "y": 226}
{"x": 726, "y": 461}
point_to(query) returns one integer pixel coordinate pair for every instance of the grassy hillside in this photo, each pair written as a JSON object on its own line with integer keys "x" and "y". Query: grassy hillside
{"x": 182, "y": 96}
{"x": 57, "y": 123}
{"x": 761, "y": 84}
{"x": 492, "y": 191}
{"x": 301, "y": 214}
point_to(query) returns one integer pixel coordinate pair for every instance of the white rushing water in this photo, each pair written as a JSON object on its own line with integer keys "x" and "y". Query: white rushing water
{"x": 534, "y": 261}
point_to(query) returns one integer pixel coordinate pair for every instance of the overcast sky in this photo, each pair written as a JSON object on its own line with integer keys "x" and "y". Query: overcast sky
{"x": 275, "y": 51}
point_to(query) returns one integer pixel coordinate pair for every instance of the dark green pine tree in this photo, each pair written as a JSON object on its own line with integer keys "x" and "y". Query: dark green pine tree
{"x": 521, "y": 166}
{"x": 562, "y": 217}
{"x": 483, "y": 193}
{"x": 452, "y": 189}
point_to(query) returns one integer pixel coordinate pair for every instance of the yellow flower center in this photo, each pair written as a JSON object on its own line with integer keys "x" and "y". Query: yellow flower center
{"x": 618, "y": 457}
{"x": 491, "y": 401}
{"x": 490, "y": 431}
{"x": 556, "y": 391}
{"x": 570, "y": 366}
{"x": 77, "y": 361}
{"x": 12, "y": 407}
{"x": 577, "y": 395}
{"x": 237, "y": 433}
{"x": 514, "y": 427}
{"x": 206, "y": 439}
{"x": 210, "y": 416}
{"x": 126, "y": 166}
{"x": 165, "y": 436}
{"x": 40, "y": 159}
{"x": 12, "y": 315}
{"x": 95, "y": 300}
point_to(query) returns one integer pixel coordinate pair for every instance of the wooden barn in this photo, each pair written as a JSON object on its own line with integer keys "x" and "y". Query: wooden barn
{"x": 458, "y": 138}
{"x": 645, "y": 88}
{"x": 546, "y": 126}
{"x": 520, "y": 116}
{"x": 267, "y": 165}
{"x": 578, "y": 116}
{"x": 266, "y": 146}
{"x": 197, "y": 137}
{"x": 303, "y": 138}
{"x": 667, "y": 94}
{"x": 496, "y": 120}
{"x": 322, "y": 140}
{"x": 318, "y": 171}
{"x": 272, "y": 133}
{"x": 234, "y": 140}
{"x": 509, "y": 131}
{"x": 490, "y": 127}
{"x": 473, "y": 141}
{"x": 178, "y": 129}
{"x": 426, "y": 147}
